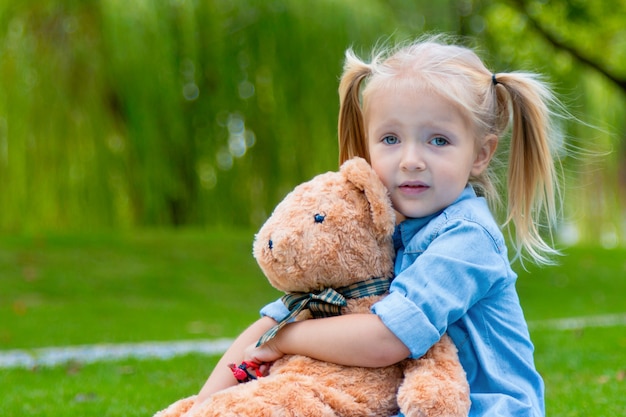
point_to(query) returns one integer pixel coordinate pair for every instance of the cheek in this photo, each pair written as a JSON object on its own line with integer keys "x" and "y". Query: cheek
{"x": 380, "y": 168}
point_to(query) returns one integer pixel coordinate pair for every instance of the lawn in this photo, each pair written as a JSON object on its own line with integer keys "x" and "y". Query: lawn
{"x": 59, "y": 290}
{"x": 70, "y": 290}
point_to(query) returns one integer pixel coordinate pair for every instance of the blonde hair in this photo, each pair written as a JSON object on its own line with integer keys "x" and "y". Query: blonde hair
{"x": 492, "y": 102}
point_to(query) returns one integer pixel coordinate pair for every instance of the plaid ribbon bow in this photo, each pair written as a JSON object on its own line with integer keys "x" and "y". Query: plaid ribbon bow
{"x": 327, "y": 302}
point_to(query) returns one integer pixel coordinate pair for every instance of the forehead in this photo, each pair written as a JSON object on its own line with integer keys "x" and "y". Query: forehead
{"x": 412, "y": 100}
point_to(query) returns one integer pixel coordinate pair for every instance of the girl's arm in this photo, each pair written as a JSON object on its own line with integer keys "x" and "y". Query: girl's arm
{"x": 222, "y": 377}
{"x": 353, "y": 339}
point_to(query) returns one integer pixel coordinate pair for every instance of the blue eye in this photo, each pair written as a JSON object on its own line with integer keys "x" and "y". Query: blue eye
{"x": 390, "y": 140}
{"x": 270, "y": 244}
{"x": 439, "y": 141}
{"x": 319, "y": 218}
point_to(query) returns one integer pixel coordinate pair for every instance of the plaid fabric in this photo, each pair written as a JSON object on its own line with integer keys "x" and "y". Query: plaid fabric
{"x": 327, "y": 302}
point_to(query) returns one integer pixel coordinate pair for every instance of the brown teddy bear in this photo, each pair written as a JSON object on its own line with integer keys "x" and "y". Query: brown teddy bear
{"x": 328, "y": 246}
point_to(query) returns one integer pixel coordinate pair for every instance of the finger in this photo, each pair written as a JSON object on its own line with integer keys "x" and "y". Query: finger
{"x": 265, "y": 368}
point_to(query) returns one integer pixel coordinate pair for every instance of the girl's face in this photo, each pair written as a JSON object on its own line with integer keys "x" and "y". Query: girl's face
{"x": 422, "y": 148}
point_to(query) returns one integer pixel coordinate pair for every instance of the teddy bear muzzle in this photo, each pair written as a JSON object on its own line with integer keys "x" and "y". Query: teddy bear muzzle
{"x": 279, "y": 248}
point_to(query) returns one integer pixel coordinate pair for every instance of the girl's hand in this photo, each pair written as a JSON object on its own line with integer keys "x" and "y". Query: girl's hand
{"x": 264, "y": 354}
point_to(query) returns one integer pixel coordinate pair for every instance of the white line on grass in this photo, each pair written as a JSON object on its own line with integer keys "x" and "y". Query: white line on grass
{"x": 53, "y": 356}
{"x": 572, "y": 323}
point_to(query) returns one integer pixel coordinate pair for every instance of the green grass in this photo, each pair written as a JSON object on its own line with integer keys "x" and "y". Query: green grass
{"x": 125, "y": 388}
{"x": 587, "y": 281}
{"x": 583, "y": 370}
{"x": 67, "y": 290}
{"x": 154, "y": 286}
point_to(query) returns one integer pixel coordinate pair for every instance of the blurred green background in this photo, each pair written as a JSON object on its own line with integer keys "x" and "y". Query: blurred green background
{"x": 120, "y": 115}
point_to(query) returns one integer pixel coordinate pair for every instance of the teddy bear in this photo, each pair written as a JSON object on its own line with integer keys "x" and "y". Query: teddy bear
{"x": 328, "y": 246}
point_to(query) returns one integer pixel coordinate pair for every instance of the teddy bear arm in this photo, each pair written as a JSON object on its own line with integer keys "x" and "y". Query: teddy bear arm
{"x": 293, "y": 393}
{"x": 435, "y": 385}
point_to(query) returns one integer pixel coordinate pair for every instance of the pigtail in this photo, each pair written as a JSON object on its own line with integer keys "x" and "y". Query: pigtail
{"x": 532, "y": 179}
{"x": 352, "y": 141}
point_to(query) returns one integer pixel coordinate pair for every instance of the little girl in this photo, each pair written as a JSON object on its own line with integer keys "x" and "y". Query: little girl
{"x": 428, "y": 117}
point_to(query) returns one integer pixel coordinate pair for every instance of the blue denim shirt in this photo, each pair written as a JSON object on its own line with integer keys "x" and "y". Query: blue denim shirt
{"x": 453, "y": 275}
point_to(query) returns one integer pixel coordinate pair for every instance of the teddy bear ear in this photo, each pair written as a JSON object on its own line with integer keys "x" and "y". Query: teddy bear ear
{"x": 359, "y": 172}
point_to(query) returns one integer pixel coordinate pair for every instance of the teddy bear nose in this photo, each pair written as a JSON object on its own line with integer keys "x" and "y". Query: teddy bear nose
{"x": 270, "y": 244}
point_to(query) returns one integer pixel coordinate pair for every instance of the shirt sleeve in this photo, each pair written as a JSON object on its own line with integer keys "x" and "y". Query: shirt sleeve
{"x": 438, "y": 283}
{"x": 275, "y": 310}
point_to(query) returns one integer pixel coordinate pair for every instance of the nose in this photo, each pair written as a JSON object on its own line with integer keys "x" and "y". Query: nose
{"x": 412, "y": 159}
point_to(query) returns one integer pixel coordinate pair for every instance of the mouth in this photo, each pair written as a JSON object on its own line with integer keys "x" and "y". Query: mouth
{"x": 413, "y": 187}
{"x": 413, "y": 184}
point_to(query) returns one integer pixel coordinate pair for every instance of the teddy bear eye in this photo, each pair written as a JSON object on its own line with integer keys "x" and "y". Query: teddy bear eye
{"x": 319, "y": 218}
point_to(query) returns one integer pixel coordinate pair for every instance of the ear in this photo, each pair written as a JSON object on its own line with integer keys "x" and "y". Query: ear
{"x": 484, "y": 153}
{"x": 360, "y": 173}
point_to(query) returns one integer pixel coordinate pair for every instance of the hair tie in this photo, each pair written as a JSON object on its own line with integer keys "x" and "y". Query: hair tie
{"x": 493, "y": 79}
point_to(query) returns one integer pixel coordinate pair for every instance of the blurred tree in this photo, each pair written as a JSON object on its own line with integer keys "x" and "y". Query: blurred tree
{"x": 121, "y": 114}
{"x": 584, "y": 20}
{"x": 582, "y": 45}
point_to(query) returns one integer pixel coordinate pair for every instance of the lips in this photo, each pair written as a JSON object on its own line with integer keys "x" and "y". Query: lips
{"x": 413, "y": 187}
{"x": 413, "y": 184}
